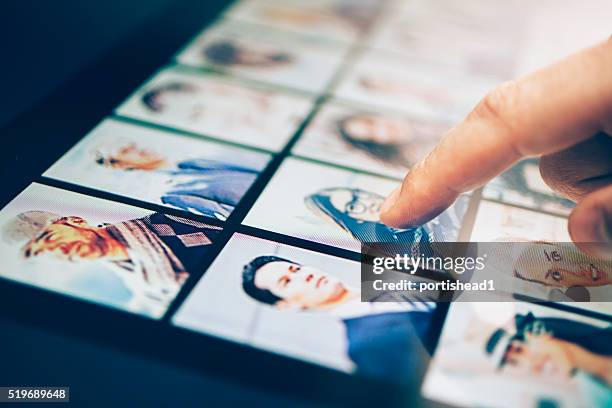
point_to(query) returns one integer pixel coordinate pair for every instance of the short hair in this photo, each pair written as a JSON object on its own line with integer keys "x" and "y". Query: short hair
{"x": 248, "y": 279}
{"x": 222, "y": 52}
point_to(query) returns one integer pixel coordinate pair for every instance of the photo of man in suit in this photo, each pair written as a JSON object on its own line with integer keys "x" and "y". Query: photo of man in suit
{"x": 384, "y": 338}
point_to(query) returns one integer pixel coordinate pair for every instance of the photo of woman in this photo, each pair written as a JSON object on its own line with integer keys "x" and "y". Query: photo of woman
{"x": 366, "y": 139}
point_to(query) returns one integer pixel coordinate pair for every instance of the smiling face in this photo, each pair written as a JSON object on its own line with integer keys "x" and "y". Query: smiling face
{"x": 560, "y": 265}
{"x": 299, "y": 286}
{"x": 72, "y": 238}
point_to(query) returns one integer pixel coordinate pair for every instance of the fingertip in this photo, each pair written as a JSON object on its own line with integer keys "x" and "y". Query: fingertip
{"x": 390, "y": 201}
{"x": 590, "y": 224}
{"x": 407, "y": 209}
{"x": 389, "y": 215}
{"x": 393, "y": 216}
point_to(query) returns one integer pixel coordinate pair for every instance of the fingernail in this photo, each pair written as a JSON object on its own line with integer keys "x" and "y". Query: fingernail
{"x": 390, "y": 200}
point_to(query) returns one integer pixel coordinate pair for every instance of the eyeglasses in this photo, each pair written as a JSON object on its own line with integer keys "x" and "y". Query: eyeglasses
{"x": 358, "y": 206}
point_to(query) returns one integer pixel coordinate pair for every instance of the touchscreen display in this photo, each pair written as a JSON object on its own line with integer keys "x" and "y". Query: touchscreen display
{"x": 254, "y": 164}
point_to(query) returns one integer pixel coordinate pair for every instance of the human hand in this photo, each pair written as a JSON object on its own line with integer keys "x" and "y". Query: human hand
{"x": 562, "y": 113}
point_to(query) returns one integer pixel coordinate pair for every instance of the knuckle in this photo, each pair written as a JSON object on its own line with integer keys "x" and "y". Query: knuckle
{"x": 500, "y": 107}
{"x": 499, "y": 104}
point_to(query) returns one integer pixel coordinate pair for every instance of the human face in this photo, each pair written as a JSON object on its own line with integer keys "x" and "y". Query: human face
{"x": 377, "y": 129}
{"x": 540, "y": 355}
{"x": 299, "y": 286}
{"x": 69, "y": 238}
{"x": 357, "y": 204}
{"x": 262, "y": 57}
{"x": 246, "y": 54}
{"x": 562, "y": 265}
{"x": 131, "y": 157}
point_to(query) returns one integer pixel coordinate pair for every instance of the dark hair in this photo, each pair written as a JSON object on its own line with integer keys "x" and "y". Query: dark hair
{"x": 387, "y": 152}
{"x": 150, "y": 98}
{"x": 227, "y": 53}
{"x": 222, "y": 53}
{"x": 248, "y": 279}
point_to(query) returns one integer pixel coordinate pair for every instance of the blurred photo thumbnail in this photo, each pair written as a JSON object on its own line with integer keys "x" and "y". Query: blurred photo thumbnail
{"x": 218, "y": 107}
{"x": 343, "y": 20}
{"x": 160, "y": 167}
{"x": 521, "y": 354}
{"x": 489, "y": 50}
{"x": 523, "y": 185}
{"x": 340, "y": 208}
{"x": 412, "y": 86}
{"x": 307, "y": 305}
{"x": 109, "y": 253}
{"x": 368, "y": 139}
{"x": 495, "y": 222}
{"x": 266, "y": 54}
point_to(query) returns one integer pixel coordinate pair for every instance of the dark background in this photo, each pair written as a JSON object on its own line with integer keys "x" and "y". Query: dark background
{"x": 43, "y": 43}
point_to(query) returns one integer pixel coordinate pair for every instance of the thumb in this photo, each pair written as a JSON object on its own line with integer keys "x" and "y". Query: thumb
{"x": 590, "y": 223}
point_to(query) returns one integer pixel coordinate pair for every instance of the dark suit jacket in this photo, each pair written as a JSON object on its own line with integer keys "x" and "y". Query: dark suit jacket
{"x": 388, "y": 346}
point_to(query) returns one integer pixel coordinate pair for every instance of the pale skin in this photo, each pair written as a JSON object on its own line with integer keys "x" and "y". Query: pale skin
{"x": 72, "y": 238}
{"x": 302, "y": 287}
{"x": 562, "y": 113}
{"x": 544, "y": 354}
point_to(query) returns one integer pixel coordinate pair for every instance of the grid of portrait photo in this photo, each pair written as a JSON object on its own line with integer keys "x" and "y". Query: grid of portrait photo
{"x": 244, "y": 175}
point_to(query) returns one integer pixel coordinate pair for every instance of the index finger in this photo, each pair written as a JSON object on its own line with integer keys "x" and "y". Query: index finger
{"x": 545, "y": 112}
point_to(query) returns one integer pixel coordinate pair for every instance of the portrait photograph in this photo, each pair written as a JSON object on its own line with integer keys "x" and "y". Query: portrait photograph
{"x": 266, "y": 54}
{"x": 160, "y": 167}
{"x": 341, "y": 20}
{"x": 474, "y": 52}
{"x": 495, "y": 222}
{"x": 340, "y": 208}
{"x": 511, "y": 354}
{"x": 219, "y": 107}
{"x": 306, "y": 305}
{"x": 523, "y": 185}
{"x": 105, "y": 252}
{"x": 368, "y": 139}
{"x": 545, "y": 271}
{"x": 412, "y": 86}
